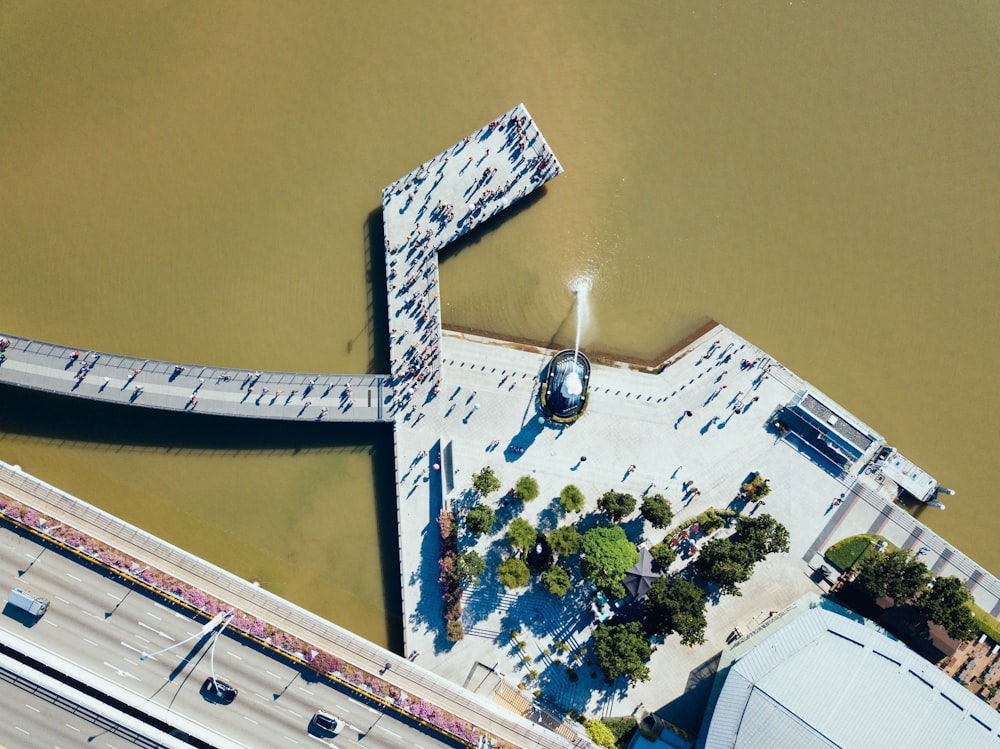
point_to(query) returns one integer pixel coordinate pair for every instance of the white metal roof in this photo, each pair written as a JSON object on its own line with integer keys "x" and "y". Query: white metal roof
{"x": 823, "y": 681}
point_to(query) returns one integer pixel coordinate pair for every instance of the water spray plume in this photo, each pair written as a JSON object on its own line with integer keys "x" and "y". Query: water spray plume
{"x": 580, "y": 286}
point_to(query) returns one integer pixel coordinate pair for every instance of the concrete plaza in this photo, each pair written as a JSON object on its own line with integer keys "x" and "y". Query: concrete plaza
{"x": 486, "y": 413}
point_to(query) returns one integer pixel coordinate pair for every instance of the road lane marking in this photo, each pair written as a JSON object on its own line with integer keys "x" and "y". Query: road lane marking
{"x": 61, "y": 599}
{"x": 79, "y": 580}
{"x": 73, "y": 727}
{"x": 152, "y": 629}
{"x": 250, "y": 720}
{"x": 235, "y": 656}
{"x": 271, "y": 673}
{"x": 307, "y": 691}
{"x": 124, "y": 674}
{"x": 32, "y": 707}
{"x": 140, "y": 637}
{"x": 91, "y": 642}
{"x": 26, "y": 733}
{"x": 158, "y": 618}
{"x": 289, "y": 738}
{"x": 391, "y": 733}
{"x": 50, "y": 622}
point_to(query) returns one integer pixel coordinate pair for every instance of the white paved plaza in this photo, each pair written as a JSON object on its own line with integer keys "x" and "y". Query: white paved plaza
{"x": 489, "y": 393}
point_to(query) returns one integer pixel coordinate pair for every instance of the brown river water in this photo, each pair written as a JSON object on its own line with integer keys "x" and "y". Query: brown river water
{"x": 194, "y": 181}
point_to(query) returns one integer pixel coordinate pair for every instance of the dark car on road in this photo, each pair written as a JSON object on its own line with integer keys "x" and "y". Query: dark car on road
{"x": 324, "y": 723}
{"x": 218, "y": 691}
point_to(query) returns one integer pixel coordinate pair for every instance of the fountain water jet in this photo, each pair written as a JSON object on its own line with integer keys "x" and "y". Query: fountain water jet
{"x": 565, "y": 393}
{"x": 580, "y": 287}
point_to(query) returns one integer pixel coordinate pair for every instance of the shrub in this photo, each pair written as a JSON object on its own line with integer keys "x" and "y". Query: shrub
{"x": 469, "y": 566}
{"x": 526, "y": 488}
{"x": 480, "y": 519}
{"x": 521, "y": 534}
{"x": 485, "y": 482}
{"x": 663, "y": 554}
{"x": 600, "y": 734}
{"x": 571, "y": 499}
{"x": 656, "y": 509}
{"x": 454, "y": 631}
{"x": 514, "y": 573}
{"x": 616, "y": 505}
{"x": 565, "y": 541}
{"x": 557, "y": 581}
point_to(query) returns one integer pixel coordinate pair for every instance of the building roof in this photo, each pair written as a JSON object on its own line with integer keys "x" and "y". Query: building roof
{"x": 823, "y": 680}
{"x": 910, "y": 477}
{"x": 845, "y": 426}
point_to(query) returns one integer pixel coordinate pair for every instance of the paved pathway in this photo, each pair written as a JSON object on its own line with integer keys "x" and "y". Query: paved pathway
{"x": 192, "y": 388}
{"x": 633, "y": 418}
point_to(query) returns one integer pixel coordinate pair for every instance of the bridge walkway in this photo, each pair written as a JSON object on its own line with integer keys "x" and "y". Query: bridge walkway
{"x": 174, "y": 386}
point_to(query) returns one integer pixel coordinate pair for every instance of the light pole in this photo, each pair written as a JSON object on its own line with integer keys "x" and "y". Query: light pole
{"x": 209, "y": 626}
{"x": 211, "y": 648}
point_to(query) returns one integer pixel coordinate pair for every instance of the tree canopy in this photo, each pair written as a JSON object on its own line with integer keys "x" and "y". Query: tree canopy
{"x": 565, "y": 540}
{"x": 480, "y": 519}
{"x": 485, "y": 482}
{"x": 663, "y": 554}
{"x": 557, "y": 580}
{"x": 657, "y": 510}
{"x": 763, "y": 534}
{"x": 571, "y": 499}
{"x": 676, "y": 606}
{"x": 725, "y": 563}
{"x": 526, "y": 488}
{"x": 513, "y": 573}
{"x": 898, "y": 574}
{"x": 600, "y": 734}
{"x": 616, "y": 505}
{"x": 607, "y": 555}
{"x": 947, "y": 603}
{"x": 521, "y": 534}
{"x": 469, "y": 566}
{"x": 622, "y": 650}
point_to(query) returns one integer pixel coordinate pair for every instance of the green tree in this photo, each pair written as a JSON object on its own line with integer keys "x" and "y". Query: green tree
{"x": 676, "y": 606}
{"x": 557, "y": 581}
{"x": 607, "y": 555}
{"x": 469, "y": 566}
{"x": 756, "y": 488}
{"x": 898, "y": 574}
{"x": 657, "y": 510}
{"x": 600, "y": 734}
{"x": 622, "y": 650}
{"x": 521, "y": 534}
{"x": 485, "y": 482}
{"x": 480, "y": 519}
{"x": 663, "y": 553}
{"x": 526, "y": 488}
{"x": 513, "y": 573}
{"x": 565, "y": 540}
{"x": 763, "y": 534}
{"x": 616, "y": 505}
{"x": 947, "y": 603}
{"x": 725, "y": 563}
{"x": 571, "y": 499}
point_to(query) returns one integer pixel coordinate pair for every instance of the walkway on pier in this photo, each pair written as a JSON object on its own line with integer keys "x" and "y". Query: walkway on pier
{"x": 172, "y": 386}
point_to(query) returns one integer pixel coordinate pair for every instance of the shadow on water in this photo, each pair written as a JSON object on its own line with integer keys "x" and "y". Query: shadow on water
{"x": 120, "y": 428}
{"x": 378, "y": 302}
{"x": 475, "y": 236}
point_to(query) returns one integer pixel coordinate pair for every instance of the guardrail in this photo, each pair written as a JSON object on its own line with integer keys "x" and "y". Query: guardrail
{"x": 279, "y": 612}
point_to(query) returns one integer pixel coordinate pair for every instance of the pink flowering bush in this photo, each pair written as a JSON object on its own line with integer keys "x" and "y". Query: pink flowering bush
{"x": 321, "y": 661}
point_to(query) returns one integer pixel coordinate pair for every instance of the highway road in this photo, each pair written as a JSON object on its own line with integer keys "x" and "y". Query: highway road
{"x": 103, "y": 627}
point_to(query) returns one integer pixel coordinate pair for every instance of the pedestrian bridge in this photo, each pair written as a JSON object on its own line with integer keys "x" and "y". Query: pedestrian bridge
{"x": 477, "y": 178}
{"x": 176, "y": 386}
